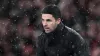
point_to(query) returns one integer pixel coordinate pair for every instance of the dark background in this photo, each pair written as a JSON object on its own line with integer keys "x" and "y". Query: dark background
{"x": 20, "y": 24}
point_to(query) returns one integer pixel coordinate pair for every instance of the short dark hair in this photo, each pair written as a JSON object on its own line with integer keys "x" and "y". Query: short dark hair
{"x": 53, "y": 10}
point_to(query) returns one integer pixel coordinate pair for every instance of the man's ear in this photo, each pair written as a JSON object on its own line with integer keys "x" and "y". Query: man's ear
{"x": 58, "y": 20}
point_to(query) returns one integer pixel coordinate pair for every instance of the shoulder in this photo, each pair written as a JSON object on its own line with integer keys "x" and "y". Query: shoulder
{"x": 41, "y": 39}
{"x": 73, "y": 35}
{"x": 41, "y": 36}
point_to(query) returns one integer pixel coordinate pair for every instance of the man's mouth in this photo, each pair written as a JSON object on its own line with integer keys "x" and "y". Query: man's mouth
{"x": 46, "y": 28}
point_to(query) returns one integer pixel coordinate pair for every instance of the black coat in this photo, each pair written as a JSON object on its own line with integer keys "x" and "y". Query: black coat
{"x": 63, "y": 41}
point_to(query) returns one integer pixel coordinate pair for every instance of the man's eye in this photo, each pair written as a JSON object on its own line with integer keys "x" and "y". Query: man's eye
{"x": 49, "y": 20}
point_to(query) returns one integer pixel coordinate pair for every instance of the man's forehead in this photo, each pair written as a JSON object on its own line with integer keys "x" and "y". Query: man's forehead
{"x": 46, "y": 15}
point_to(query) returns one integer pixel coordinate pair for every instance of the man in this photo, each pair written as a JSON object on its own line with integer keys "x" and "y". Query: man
{"x": 58, "y": 39}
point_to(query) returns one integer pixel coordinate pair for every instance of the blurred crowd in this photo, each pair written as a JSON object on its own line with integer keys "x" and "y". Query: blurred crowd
{"x": 20, "y": 24}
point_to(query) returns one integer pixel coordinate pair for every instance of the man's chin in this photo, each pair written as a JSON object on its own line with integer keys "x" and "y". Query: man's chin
{"x": 47, "y": 31}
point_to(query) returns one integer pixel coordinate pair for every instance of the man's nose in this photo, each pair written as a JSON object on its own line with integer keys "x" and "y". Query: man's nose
{"x": 44, "y": 23}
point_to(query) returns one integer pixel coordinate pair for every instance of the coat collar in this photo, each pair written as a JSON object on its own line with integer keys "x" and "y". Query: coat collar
{"x": 57, "y": 31}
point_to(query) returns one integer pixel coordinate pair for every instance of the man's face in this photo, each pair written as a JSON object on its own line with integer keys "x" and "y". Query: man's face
{"x": 49, "y": 22}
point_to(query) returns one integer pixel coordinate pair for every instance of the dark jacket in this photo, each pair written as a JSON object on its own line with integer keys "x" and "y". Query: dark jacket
{"x": 63, "y": 41}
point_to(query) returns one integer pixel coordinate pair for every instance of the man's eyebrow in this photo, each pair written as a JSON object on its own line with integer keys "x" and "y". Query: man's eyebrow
{"x": 46, "y": 19}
